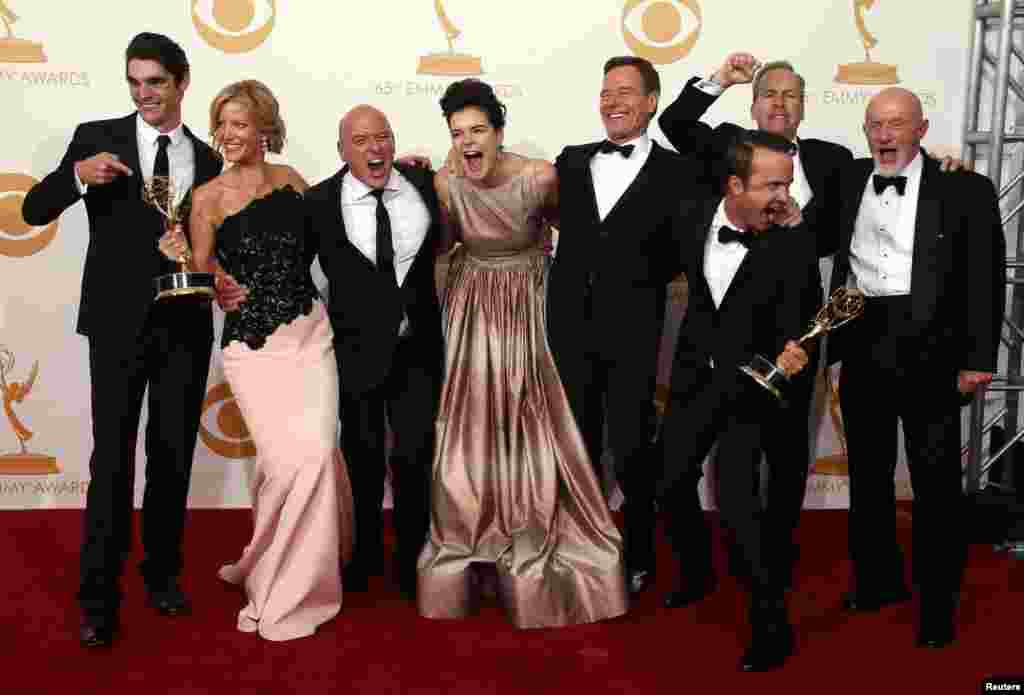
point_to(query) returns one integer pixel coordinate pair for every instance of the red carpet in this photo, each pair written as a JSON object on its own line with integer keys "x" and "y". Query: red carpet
{"x": 380, "y": 645}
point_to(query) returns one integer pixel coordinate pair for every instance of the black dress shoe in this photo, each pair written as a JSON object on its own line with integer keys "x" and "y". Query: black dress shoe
{"x": 937, "y": 621}
{"x": 640, "y": 580}
{"x": 95, "y": 632}
{"x": 168, "y": 600}
{"x": 690, "y": 593}
{"x": 768, "y": 649}
{"x": 865, "y": 602}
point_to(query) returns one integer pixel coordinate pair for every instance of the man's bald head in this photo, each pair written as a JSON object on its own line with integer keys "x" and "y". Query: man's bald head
{"x": 894, "y": 125}
{"x": 367, "y": 144}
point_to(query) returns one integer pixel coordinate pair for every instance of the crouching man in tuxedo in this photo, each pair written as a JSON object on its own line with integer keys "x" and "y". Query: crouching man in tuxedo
{"x": 748, "y": 281}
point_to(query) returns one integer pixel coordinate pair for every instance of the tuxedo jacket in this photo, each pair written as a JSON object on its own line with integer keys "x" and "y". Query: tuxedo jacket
{"x": 958, "y": 272}
{"x": 823, "y": 162}
{"x": 122, "y": 257}
{"x": 764, "y": 306}
{"x": 618, "y": 267}
{"x": 366, "y": 308}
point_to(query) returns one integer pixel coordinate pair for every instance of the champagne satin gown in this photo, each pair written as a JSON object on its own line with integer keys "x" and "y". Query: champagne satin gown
{"x": 512, "y": 485}
{"x": 279, "y": 362}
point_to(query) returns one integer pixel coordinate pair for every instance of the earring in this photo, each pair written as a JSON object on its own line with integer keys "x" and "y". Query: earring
{"x": 264, "y": 144}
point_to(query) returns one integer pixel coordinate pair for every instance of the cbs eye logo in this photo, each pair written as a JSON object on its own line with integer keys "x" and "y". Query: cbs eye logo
{"x": 232, "y": 439}
{"x": 654, "y": 29}
{"x": 17, "y": 238}
{"x": 234, "y": 26}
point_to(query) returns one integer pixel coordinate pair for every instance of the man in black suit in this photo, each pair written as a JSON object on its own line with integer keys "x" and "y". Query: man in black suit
{"x": 927, "y": 248}
{"x": 606, "y": 295}
{"x": 748, "y": 279}
{"x": 378, "y": 228}
{"x": 777, "y": 107}
{"x": 134, "y": 342}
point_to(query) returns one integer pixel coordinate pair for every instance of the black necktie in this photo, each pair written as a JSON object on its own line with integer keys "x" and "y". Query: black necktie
{"x": 727, "y": 235}
{"x": 883, "y": 182}
{"x": 162, "y": 165}
{"x": 607, "y": 147}
{"x": 385, "y": 245}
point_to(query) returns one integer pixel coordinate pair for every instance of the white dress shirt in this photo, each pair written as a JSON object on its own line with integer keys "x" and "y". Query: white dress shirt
{"x": 721, "y": 261}
{"x": 409, "y": 217}
{"x": 612, "y": 173}
{"x": 882, "y": 248}
{"x": 801, "y": 187}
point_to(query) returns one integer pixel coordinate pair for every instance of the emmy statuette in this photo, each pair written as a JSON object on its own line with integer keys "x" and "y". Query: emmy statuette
{"x": 159, "y": 192}
{"x": 868, "y": 72}
{"x": 842, "y": 307}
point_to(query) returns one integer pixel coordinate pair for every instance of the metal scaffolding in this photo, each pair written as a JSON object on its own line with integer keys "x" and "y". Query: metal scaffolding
{"x": 993, "y": 128}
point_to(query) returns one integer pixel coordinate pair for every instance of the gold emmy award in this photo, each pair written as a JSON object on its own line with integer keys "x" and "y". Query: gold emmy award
{"x": 160, "y": 192}
{"x": 24, "y": 462}
{"x": 14, "y": 50}
{"x": 842, "y": 307}
{"x": 450, "y": 63}
{"x": 868, "y": 72}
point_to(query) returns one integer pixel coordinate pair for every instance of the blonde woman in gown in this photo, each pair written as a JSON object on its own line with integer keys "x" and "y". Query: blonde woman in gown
{"x": 250, "y": 224}
{"x": 512, "y": 486}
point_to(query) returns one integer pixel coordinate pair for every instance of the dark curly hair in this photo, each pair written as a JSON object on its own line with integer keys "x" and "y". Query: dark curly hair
{"x": 472, "y": 92}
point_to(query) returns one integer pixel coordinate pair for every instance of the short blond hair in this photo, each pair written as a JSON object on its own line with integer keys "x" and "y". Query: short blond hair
{"x": 263, "y": 106}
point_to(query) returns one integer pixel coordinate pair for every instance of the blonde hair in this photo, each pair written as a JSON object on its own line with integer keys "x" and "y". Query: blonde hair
{"x": 263, "y": 106}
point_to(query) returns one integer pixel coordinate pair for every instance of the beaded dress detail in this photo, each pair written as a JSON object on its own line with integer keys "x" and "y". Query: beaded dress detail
{"x": 264, "y": 247}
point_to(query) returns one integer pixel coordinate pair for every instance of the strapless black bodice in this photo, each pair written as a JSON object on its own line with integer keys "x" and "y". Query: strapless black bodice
{"x": 265, "y": 247}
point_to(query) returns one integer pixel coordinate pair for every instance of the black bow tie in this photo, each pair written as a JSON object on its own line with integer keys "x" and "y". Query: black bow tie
{"x": 607, "y": 147}
{"x": 727, "y": 235}
{"x": 883, "y": 182}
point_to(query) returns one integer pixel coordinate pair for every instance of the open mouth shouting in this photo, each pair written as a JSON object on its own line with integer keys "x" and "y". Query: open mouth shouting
{"x": 378, "y": 167}
{"x": 473, "y": 160}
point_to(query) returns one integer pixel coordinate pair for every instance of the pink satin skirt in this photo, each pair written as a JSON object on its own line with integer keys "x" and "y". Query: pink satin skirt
{"x": 287, "y": 392}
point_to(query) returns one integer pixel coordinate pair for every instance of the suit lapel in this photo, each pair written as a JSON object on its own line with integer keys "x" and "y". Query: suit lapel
{"x": 745, "y": 273}
{"x": 852, "y": 195}
{"x": 927, "y": 231}
{"x": 126, "y": 147}
{"x": 590, "y": 192}
{"x": 700, "y": 243}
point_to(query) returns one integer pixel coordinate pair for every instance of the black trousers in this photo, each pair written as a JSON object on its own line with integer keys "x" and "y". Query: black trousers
{"x": 617, "y": 392}
{"x": 719, "y": 407}
{"x": 408, "y": 401}
{"x": 894, "y": 371}
{"x": 172, "y": 358}
{"x": 786, "y": 442}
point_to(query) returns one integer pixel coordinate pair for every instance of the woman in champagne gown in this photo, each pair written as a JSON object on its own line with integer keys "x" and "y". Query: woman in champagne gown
{"x": 512, "y": 486}
{"x": 250, "y": 224}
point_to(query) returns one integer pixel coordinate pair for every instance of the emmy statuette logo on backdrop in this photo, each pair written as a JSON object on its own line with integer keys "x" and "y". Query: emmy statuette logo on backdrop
{"x": 837, "y": 463}
{"x": 232, "y": 439}
{"x": 17, "y": 238}
{"x": 23, "y": 461}
{"x": 234, "y": 26}
{"x": 13, "y": 49}
{"x": 450, "y": 63}
{"x": 662, "y": 24}
{"x": 868, "y": 72}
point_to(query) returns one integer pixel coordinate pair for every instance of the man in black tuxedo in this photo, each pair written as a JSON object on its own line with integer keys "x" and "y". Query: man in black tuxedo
{"x": 927, "y": 248}
{"x": 777, "y": 107}
{"x": 748, "y": 279}
{"x": 378, "y": 228}
{"x": 134, "y": 342}
{"x": 606, "y": 295}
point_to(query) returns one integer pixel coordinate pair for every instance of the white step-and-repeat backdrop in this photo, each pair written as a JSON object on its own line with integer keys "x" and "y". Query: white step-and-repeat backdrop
{"x": 61, "y": 63}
